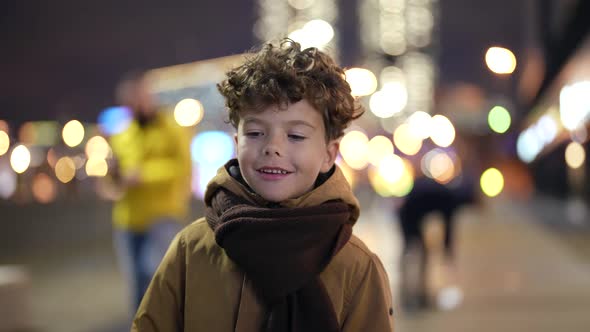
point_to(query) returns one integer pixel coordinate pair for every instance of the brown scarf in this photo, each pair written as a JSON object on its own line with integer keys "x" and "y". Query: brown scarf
{"x": 283, "y": 251}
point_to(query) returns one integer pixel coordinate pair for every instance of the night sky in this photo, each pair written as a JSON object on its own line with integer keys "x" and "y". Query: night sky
{"x": 60, "y": 59}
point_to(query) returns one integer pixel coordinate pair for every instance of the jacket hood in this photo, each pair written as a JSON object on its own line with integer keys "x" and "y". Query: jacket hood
{"x": 336, "y": 187}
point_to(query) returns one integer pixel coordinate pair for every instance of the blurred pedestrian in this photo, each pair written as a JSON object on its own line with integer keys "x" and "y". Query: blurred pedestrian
{"x": 153, "y": 173}
{"x": 427, "y": 196}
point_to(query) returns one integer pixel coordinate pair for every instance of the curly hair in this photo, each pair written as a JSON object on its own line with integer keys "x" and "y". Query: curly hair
{"x": 284, "y": 74}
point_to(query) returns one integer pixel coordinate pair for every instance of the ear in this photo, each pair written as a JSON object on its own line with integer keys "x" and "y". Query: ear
{"x": 236, "y": 142}
{"x": 330, "y": 157}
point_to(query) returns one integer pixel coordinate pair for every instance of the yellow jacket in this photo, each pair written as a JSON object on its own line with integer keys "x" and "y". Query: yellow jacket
{"x": 159, "y": 154}
{"x": 199, "y": 288}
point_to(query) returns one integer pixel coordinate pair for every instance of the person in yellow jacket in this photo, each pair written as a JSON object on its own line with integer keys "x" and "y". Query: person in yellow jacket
{"x": 153, "y": 174}
{"x": 275, "y": 250}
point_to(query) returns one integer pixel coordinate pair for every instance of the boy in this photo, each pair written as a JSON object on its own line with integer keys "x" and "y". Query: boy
{"x": 275, "y": 251}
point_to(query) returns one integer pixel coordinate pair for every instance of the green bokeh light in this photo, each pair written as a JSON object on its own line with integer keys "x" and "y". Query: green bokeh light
{"x": 499, "y": 119}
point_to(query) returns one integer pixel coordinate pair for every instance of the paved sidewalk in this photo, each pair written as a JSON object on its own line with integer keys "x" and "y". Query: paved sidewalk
{"x": 516, "y": 274}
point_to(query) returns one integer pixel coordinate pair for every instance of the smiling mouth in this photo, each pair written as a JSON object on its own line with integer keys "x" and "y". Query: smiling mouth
{"x": 273, "y": 171}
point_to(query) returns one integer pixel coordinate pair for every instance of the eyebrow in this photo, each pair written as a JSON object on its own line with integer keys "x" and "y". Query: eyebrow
{"x": 292, "y": 122}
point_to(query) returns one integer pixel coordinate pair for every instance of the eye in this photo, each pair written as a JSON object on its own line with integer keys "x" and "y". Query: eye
{"x": 253, "y": 134}
{"x": 296, "y": 137}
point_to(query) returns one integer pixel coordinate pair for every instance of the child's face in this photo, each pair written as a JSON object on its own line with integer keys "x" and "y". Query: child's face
{"x": 281, "y": 152}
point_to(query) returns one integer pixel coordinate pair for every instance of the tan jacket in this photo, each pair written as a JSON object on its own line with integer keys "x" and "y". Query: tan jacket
{"x": 198, "y": 288}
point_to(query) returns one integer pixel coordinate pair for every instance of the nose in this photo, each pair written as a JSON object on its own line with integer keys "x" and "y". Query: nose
{"x": 273, "y": 146}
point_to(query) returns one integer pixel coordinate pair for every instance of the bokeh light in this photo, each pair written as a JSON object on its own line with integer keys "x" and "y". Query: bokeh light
{"x": 20, "y": 159}
{"x": 353, "y": 149}
{"x": 73, "y": 133}
{"x": 188, "y": 112}
{"x": 492, "y": 182}
{"x": 96, "y": 167}
{"x": 212, "y": 147}
{"x": 4, "y": 142}
{"x": 315, "y": 33}
{"x": 573, "y": 105}
{"x": 499, "y": 119}
{"x": 575, "y": 155}
{"x": 393, "y": 177}
{"x": 114, "y": 120}
{"x": 97, "y": 147}
{"x": 362, "y": 81}
{"x": 378, "y": 148}
{"x": 500, "y": 60}
{"x": 65, "y": 169}
{"x": 44, "y": 188}
{"x": 406, "y": 140}
{"x": 420, "y": 124}
{"x": 51, "y": 157}
{"x": 438, "y": 165}
{"x": 8, "y": 181}
{"x": 209, "y": 150}
{"x": 443, "y": 131}
{"x": 390, "y": 100}
{"x": 27, "y": 133}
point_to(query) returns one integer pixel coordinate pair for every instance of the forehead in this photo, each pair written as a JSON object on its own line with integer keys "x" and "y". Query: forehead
{"x": 301, "y": 112}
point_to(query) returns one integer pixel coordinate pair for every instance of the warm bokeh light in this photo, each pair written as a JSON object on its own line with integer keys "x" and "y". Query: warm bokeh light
{"x": 443, "y": 131}
{"x": 420, "y": 124}
{"x": 575, "y": 155}
{"x": 51, "y": 157}
{"x": 406, "y": 141}
{"x": 20, "y": 159}
{"x": 73, "y": 133}
{"x": 393, "y": 177}
{"x": 188, "y": 112}
{"x": 378, "y": 148}
{"x": 499, "y": 119}
{"x": 97, "y": 147}
{"x": 354, "y": 148}
{"x": 500, "y": 60}
{"x": 4, "y": 142}
{"x": 96, "y": 167}
{"x": 390, "y": 100}
{"x": 27, "y": 133}
{"x": 492, "y": 182}
{"x": 362, "y": 81}
{"x": 65, "y": 169}
{"x": 44, "y": 188}
{"x": 438, "y": 165}
{"x": 391, "y": 168}
{"x": 315, "y": 33}
{"x": 573, "y": 104}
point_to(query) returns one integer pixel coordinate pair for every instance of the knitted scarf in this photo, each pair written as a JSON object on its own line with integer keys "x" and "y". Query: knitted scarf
{"x": 283, "y": 250}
